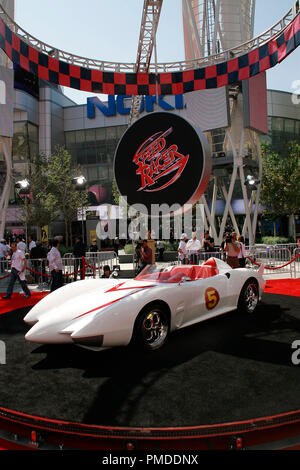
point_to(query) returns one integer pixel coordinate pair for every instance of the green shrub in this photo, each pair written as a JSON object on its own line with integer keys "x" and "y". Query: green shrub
{"x": 128, "y": 249}
{"x": 274, "y": 240}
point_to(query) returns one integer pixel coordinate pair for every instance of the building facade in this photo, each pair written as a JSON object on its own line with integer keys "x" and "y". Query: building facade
{"x": 44, "y": 117}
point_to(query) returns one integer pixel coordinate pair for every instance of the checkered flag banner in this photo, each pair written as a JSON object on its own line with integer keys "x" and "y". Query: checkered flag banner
{"x": 173, "y": 83}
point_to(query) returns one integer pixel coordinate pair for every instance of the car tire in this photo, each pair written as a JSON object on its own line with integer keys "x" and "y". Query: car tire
{"x": 249, "y": 297}
{"x": 151, "y": 328}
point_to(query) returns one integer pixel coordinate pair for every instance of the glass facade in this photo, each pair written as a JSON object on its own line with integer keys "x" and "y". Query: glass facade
{"x": 282, "y": 131}
{"x": 93, "y": 150}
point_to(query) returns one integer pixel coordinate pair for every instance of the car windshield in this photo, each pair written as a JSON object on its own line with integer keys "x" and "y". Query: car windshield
{"x": 158, "y": 274}
{"x": 173, "y": 274}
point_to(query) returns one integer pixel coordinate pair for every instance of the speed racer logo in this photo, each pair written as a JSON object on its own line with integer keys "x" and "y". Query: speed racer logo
{"x": 211, "y": 298}
{"x": 155, "y": 161}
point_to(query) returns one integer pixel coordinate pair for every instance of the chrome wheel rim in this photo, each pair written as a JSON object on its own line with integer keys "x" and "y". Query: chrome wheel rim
{"x": 154, "y": 329}
{"x": 251, "y": 297}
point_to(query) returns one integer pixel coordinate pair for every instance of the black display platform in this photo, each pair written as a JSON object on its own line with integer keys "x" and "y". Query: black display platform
{"x": 231, "y": 368}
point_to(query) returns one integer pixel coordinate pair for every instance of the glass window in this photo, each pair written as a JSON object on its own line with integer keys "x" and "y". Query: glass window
{"x": 277, "y": 124}
{"x": 33, "y": 132}
{"x": 20, "y": 149}
{"x": 289, "y": 126}
{"x": 91, "y": 155}
{"x": 80, "y": 137}
{"x": 92, "y": 173}
{"x": 111, "y": 133}
{"x": 100, "y": 134}
{"x": 81, "y": 157}
{"x": 90, "y": 135}
{"x": 70, "y": 138}
{"x": 120, "y": 131}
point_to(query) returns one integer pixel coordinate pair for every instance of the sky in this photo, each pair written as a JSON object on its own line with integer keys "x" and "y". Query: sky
{"x": 109, "y": 30}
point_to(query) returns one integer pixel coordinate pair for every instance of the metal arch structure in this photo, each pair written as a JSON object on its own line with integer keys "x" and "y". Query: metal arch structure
{"x": 130, "y": 67}
{"x": 147, "y": 42}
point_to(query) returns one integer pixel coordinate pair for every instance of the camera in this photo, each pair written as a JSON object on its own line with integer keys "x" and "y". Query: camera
{"x": 228, "y": 238}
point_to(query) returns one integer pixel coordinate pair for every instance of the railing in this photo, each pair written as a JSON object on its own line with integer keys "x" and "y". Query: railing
{"x": 37, "y": 270}
{"x": 296, "y": 265}
{"x": 102, "y": 65}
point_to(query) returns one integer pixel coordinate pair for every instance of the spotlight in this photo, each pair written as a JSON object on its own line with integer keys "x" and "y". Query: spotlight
{"x": 22, "y": 184}
{"x": 80, "y": 180}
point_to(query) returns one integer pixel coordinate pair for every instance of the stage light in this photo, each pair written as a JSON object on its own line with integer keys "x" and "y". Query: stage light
{"x": 252, "y": 181}
{"x": 80, "y": 180}
{"x": 22, "y": 184}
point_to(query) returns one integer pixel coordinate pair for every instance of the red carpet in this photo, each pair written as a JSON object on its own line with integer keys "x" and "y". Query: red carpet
{"x": 18, "y": 301}
{"x": 283, "y": 287}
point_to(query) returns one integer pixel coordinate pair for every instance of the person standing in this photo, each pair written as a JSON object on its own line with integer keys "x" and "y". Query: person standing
{"x": 32, "y": 243}
{"x": 208, "y": 243}
{"x": 232, "y": 248}
{"x": 3, "y": 255}
{"x": 55, "y": 266}
{"x": 193, "y": 247}
{"x": 242, "y": 253}
{"x": 182, "y": 251}
{"x": 38, "y": 256}
{"x": 18, "y": 266}
{"x": 21, "y": 245}
{"x": 161, "y": 249}
{"x": 79, "y": 252}
{"x": 146, "y": 255}
{"x": 94, "y": 246}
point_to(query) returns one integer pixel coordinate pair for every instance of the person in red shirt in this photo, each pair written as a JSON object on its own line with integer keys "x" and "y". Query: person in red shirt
{"x": 146, "y": 256}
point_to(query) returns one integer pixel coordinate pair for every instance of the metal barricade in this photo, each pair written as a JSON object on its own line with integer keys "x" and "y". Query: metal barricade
{"x": 203, "y": 256}
{"x": 276, "y": 260}
{"x": 95, "y": 262}
{"x": 296, "y": 264}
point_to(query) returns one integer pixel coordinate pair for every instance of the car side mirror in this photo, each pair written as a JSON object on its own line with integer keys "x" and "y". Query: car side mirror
{"x": 227, "y": 275}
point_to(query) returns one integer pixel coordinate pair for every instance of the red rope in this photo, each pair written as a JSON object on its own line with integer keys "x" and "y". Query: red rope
{"x": 3, "y": 277}
{"x": 277, "y": 267}
{"x": 66, "y": 275}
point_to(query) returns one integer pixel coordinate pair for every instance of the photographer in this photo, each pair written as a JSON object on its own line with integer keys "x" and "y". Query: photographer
{"x": 232, "y": 249}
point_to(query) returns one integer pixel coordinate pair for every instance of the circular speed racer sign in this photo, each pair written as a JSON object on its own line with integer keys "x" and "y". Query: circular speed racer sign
{"x": 162, "y": 159}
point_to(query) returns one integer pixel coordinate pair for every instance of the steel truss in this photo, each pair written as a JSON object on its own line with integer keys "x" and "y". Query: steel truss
{"x": 147, "y": 42}
{"x": 126, "y": 67}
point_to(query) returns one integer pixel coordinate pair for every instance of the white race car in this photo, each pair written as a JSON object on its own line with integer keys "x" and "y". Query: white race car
{"x": 104, "y": 313}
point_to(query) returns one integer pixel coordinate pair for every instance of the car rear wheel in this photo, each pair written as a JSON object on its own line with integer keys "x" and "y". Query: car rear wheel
{"x": 152, "y": 328}
{"x": 249, "y": 297}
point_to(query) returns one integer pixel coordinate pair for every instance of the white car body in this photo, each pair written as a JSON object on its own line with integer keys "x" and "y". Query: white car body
{"x": 101, "y": 313}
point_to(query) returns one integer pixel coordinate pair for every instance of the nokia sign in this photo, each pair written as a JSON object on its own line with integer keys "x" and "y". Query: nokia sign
{"x": 117, "y": 104}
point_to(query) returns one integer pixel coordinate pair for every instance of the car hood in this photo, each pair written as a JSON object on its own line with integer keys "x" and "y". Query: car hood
{"x": 82, "y": 297}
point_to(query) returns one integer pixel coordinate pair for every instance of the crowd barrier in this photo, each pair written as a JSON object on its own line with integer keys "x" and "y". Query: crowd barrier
{"x": 276, "y": 260}
{"x": 90, "y": 266}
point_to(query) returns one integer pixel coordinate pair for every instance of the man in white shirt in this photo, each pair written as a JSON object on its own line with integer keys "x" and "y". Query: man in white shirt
{"x": 32, "y": 243}
{"x": 182, "y": 252}
{"x": 18, "y": 266}
{"x": 3, "y": 255}
{"x": 21, "y": 245}
{"x": 55, "y": 266}
{"x": 193, "y": 247}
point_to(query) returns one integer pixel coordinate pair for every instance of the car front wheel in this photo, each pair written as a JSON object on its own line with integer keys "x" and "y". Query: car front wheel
{"x": 152, "y": 328}
{"x": 249, "y": 297}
